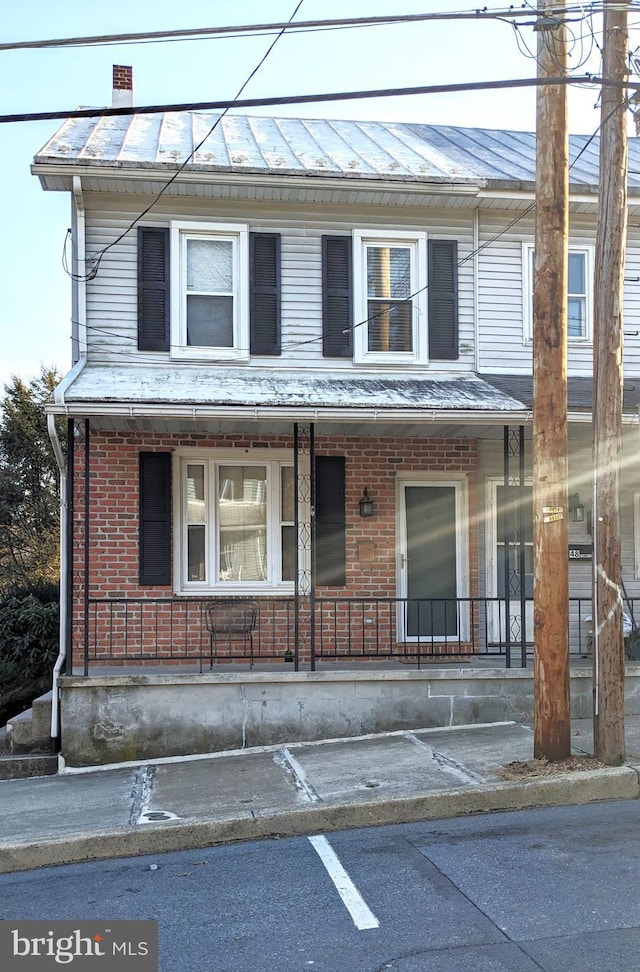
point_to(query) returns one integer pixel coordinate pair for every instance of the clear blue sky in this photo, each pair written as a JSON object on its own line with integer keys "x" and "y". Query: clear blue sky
{"x": 35, "y": 314}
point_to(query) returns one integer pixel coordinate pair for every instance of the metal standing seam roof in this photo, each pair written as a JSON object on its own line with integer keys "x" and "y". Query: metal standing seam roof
{"x": 579, "y": 391}
{"x": 266, "y": 388}
{"x": 303, "y": 146}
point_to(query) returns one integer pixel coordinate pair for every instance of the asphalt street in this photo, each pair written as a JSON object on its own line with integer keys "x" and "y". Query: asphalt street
{"x": 553, "y": 889}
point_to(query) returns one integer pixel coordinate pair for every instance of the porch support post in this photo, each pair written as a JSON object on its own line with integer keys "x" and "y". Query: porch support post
{"x": 312, "y": 533}
{"x": 511, "y": 517}
{"x": 304, "y": 552}
{"x": 87, "y": 486}
{"x": 502, "y": 519}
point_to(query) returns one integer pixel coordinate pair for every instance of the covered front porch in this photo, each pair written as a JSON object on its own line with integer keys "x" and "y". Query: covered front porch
{"x": 396, "y": 533}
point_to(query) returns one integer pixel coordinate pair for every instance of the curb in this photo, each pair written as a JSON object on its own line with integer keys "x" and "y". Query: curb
{"x": 590, "y": 786}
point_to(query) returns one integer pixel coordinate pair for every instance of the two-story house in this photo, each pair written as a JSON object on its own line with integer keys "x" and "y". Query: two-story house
{"x": 301, "y": 395}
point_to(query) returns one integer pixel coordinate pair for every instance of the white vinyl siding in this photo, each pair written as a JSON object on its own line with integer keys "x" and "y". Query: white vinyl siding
{"x": 112, "y": 294}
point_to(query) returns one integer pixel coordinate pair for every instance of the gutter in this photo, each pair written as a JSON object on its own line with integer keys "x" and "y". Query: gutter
{"x": 426, "y": 414}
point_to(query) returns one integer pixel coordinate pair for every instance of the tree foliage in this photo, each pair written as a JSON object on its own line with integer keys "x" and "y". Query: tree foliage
{"x": 29, "y": 493}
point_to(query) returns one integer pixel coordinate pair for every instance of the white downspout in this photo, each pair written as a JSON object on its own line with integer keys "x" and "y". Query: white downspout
{"x": 64, "y": 506}
{"x": 476, "y": 290}
{"x": 79, "y": 357}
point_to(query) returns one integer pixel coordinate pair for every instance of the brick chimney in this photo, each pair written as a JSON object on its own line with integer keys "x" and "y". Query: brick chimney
{"x": 122, "y": 86}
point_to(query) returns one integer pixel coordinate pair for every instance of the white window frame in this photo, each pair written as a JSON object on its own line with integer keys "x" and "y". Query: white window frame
{"x": 238, "y": 235}
{"x": 527, "y": 293}
{"x": 274, "y": 460}
{"x": 417, "y": 242}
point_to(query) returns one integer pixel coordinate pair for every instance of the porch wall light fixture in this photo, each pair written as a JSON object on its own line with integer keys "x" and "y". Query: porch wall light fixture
{"x": 576, "y": 508}
{"x": 366, "y": 503}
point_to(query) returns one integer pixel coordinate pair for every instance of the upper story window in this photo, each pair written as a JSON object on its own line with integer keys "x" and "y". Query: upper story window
{"x": 390, "y": 298}
{"x": 210, "y": 291}
{"x": 579, "y": 290}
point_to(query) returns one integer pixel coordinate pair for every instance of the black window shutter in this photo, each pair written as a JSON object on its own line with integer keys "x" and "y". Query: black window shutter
{"x": 264, "y": 281}
{"x": 337, "y": 299}
{"x": 155, "y": 518}
{"x": 153, "y": 288}
{"x": 443, "y": 300}
{"x": 330, "y": 521}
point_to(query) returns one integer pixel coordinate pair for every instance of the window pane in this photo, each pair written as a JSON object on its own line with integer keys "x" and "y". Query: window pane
{"x": 577, "y": 273}
{"x": 389, "y": 326}
{"x": 210, "y": 322}
{"x": 195, "y": 494}
{"x": 288, "y": 553}
{"x": 242, "y": 523}
{"x": 388, "y": 271}
{"x": 287, "y": 495}
{"x": 514, "y": 579}
{"x": 210, "y": 266}
{"x": 195, "y": 553}
{"x": 508, "y": 500}
{"x": 577, "y": 325}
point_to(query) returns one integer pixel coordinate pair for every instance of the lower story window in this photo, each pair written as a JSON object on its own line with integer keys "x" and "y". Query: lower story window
{"x": 238, "y": 524}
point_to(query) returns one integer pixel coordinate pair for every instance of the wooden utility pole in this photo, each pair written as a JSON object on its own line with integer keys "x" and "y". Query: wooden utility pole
{"x": 608, "y": 647}
{"x": 552, "y": 720}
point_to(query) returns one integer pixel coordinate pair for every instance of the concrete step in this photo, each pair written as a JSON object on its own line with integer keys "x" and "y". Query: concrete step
{"x": 41, "y": 716}
{"x": 5, "y": 742}
{"x": 15, "y": 767}
{"x": 30, "y": 731}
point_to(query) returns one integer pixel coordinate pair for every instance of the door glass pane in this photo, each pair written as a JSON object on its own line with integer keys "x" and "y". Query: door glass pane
{"x": 510, "y": 499}
{"x": 514, "y": 571}
{"x": 242, "y": 523}
{"x": 210, "y": 266}
{"x": 432, "y": 586}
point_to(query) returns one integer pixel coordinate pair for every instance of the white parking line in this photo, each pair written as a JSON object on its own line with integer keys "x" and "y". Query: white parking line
{"x": 353, "y": 901}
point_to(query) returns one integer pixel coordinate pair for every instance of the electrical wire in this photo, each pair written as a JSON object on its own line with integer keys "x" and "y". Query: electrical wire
{"x": 207, "y": 33}
{"x": 96, "y": 259}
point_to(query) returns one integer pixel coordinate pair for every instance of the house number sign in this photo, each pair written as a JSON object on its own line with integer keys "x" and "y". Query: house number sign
{"x": 551, "y": 513}
{"x": 581, "y": 551}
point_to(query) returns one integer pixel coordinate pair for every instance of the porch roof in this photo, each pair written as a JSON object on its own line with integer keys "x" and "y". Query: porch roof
{"x": 579, "y": 391}
{"x": 252, "y": 392}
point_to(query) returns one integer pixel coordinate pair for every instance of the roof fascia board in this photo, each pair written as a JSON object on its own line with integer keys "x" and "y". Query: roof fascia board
{"x": 117, "y": 172}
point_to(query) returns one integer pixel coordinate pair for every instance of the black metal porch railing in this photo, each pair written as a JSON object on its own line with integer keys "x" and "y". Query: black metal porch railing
{"x": 211, "y": 632}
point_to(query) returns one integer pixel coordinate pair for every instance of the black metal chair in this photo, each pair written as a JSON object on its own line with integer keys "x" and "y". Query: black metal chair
{"x": 228, "y": 620}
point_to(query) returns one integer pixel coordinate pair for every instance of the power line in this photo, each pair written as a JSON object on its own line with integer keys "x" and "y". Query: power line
{"x": 310, "y": 99}
{"x": 97, "y": 258}
{"x": 208, "y": 32}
